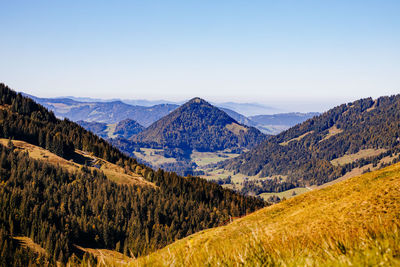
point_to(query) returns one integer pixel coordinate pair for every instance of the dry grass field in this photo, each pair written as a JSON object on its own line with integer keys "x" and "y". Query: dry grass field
{"x": 151, "y": 155}
{"x": 332, "y": 132}
{"x": 286, "y": 194}
{"x": 351, "y": 223}
{"x": 204, "y": 158}
{"x": 296, "y": 139}
{"x": 364, "y": 153}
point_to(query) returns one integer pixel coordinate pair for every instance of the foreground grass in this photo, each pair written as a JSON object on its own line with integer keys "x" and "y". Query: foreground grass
{"x": 355, "y": 222}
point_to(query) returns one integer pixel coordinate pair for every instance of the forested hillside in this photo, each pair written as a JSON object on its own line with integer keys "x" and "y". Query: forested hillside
{"x": 59, "y": 208}
{"x": 306, "y": 153}
{"x": 197, "y": 125}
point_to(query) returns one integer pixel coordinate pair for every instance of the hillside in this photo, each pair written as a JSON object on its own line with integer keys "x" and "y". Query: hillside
{"x": 124, "y": 129}
{"x": 98, "y": 128}
{"x": 127, "y": 128}
{"x": 352, "y": 223}
{"x": 327, "y": 146}
{"x": 197, "y": 125}
{"x": 62, "y": 187}
{"x": 81, "y": 160}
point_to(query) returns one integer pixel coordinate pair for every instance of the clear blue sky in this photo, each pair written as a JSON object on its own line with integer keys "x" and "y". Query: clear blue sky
{"x": 265, "y": 51}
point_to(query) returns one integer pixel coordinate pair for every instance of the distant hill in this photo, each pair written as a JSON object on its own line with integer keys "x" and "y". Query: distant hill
{"x": 127, "y": 128}
{"x": 98, "y": 128}
{"x": 124, "y": 129}
{"x": 327, "y": 146}
{"x": 352, "y": 223}
{"x": 104, "y": 112}
{"x": 200, "y": 126}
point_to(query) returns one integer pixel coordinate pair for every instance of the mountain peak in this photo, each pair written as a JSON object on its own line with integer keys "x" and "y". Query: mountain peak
{"x": 201, "y": 126}
{"x": 197, "y": 100}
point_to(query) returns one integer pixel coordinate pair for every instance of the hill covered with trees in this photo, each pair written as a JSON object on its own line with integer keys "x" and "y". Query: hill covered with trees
{"x": 306, "y": 153}
{"x": 58, "y": 208}
{"x": 197, "y": 125}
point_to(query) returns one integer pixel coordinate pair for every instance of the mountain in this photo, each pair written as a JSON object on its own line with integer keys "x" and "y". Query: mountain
{"x": 328, "y": 146}
{"x": 64, "y": 190}
{"x": 352, "y": 223}
{"x": 127, "y": 128}
{"x": 197, "y": 125}
{"x": 98, "y": 128}
{"x": 104, "y": 112}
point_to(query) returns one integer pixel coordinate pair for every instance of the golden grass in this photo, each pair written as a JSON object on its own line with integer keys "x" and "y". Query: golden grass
{"x": 236, "y": 128}
{"x": 354, "y": 222}
{"x": 150, "y": 155}
{"x": 112, "y": 171}
{"x": 373, "y": 106}
{"x": 26, "y": 242}
{"x": 39, "y": 153}
{"x": 107, "y": 257}
{"x": 286, "y": 194}
{"x": 364, "y": 153}
{"x": 204, "y": 158}
{"x": 332, "y": 132}
{"x": 296, "y": 139}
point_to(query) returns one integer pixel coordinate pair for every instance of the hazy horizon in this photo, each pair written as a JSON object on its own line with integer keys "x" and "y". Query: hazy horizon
{"x": 271, "y": 107}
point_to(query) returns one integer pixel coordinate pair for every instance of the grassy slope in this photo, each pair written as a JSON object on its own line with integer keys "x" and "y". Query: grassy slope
{"x": 112, "y": 171}
{"x": 352, "y": 222}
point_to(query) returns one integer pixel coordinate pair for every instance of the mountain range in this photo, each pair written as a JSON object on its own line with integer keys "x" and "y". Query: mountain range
{"x": 104, "y": 112}
{"x": 113, "y": 111}
{"x": 70, "y": 198}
